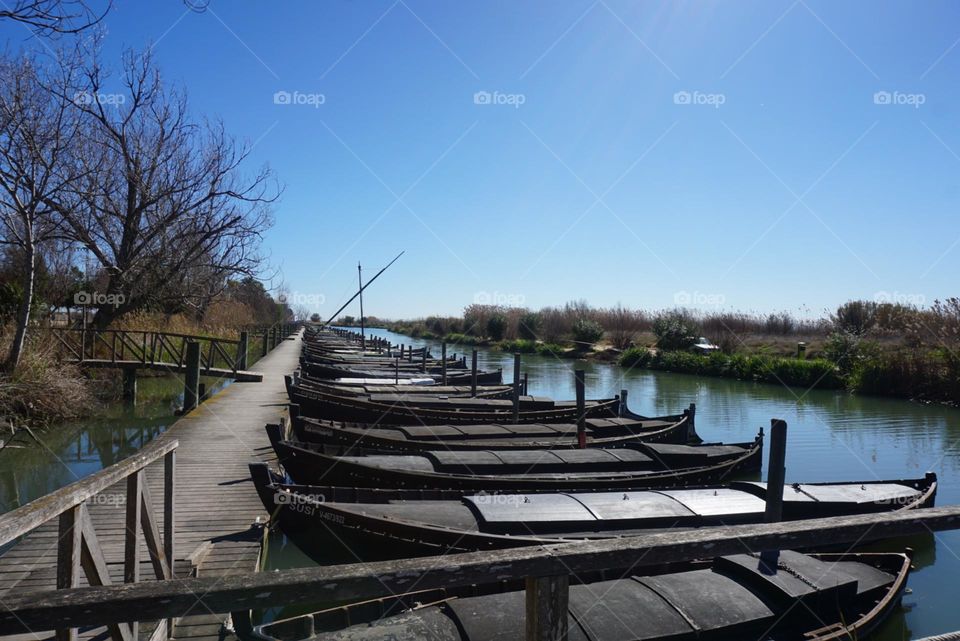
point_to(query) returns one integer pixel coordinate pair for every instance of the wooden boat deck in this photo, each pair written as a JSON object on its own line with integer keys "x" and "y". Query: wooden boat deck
{"x": 218, "y": 512}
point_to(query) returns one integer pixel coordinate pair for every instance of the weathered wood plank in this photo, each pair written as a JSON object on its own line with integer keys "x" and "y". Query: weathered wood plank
{"x": 546, "y": 600}
{"x": 159, "y": 599}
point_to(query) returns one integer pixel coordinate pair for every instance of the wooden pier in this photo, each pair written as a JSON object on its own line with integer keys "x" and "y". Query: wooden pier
{"x": 201, "y": 461}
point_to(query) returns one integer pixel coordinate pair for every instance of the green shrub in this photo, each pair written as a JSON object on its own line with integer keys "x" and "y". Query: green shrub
{"x": 675, "y": 330}
{"x": 855, "y": 317}
{"x": 529, "y": 326}
{"x": 519, "y": 346}
{"x": 551, "y": 349}
{"x": 463, "y": 339}
{"x": 635, "y": 357}
{"x": 587, "y": 331}
{"x": 496, "y": 326}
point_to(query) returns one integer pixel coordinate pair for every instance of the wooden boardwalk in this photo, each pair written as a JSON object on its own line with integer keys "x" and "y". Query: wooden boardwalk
{"x": 218, "y": 514}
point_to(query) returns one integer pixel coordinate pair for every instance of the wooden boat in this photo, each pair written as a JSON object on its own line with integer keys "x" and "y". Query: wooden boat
{"x": 341, "y": 388}
{"x": 427, "y": 410}
{"x": 642, "y": 465}
{"x": 458, "y": 377}
{"x": 600, "y": 432}
{"x": 817, "y": 597}
{"x": 392, "y": 523}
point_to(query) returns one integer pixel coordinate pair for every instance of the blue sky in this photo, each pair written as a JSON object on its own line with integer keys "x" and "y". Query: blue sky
{"x": 732, "y": 154}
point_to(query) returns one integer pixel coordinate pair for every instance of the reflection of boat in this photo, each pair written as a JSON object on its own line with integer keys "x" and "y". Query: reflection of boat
{"x": 408, "y": 521}
{"x": 641, "y": 465}
{"x": 820, "y": 597}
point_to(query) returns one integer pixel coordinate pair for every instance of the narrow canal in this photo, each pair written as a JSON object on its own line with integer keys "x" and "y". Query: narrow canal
{"x": 832, "y": 437}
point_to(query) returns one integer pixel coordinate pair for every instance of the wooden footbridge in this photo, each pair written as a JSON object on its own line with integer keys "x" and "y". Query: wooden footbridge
{"x": 131, "y": 350}
{"x": 183, "y": 506}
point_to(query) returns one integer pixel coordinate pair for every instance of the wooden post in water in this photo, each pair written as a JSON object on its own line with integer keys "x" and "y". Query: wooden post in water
{"x": 516, "y": 387}
{"x": 401, "y": 351}
{"x": 423, "y": 360}
{"x": 443, "y": 361}
{"x": 578, "y": 377}
{"x": 396, "y": 371}
{"x": 547, "y": 602}
{"x": 526, "y": 389}
{"x": 410, "y": 353}
{"x": 776, "y": 470}
{"x": 130, "y": 385}
{"x": 242, "y": 351}
{"x": 473, "y": 374}
{"x": 622, "y": 408}
{"x": 191, "y": 381}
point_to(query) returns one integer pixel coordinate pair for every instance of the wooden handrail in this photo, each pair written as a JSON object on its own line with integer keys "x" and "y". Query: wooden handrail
{"x": 35, "y": 513}
{"x": 358, "y": 581}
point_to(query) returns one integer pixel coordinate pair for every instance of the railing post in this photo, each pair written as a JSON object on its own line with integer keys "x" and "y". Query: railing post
{"x": 191, "y": 385}
{"x": 547, "y": 601}
{"x": 263, "y": 346}
{"x": 473, "y": 374}
{"x": 776, "y": 470}
{"x": 241, "y": 362}
{"x": 578, "y": 377}
{"x": 443, "y": 363}
{"x": 516, "y": 387}
{"x": 169, "y": 516}
{"x": 68, "y": 560}
{"x": 131, "y": 540}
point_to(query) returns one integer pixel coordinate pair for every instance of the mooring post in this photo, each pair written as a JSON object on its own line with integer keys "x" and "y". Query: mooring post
{"x": 443, "y": 361}
{"x": 242, "y": 351}
{"x": 423, "y": 361}
{"x": 473, "y": 374}
{"x": 130, "y": 385}
{"x": 578, "y": 377}
{"x": 526, "y": 390}
{"x": 191, "y": 382}
{"x": 547, "y": 603}
{"x": 516, "y": 387}
{"x": 622, "y": 407}
{"x": 396, "y": 371}
{"x": 410, "y": 354}
{"x": 776, "y": 470}
{"x": 401, "y": 351}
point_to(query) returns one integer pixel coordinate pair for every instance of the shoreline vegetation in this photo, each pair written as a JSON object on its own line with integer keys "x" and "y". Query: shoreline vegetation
{"x": 864, "y": 347}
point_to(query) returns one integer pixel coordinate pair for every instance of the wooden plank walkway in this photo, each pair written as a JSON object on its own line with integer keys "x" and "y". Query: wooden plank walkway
{"x": 218, "y": 513}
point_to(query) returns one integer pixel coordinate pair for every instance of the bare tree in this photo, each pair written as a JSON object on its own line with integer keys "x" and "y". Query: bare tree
{"x": 164, "y": 209}
{"x": 54, "y": 16}
{"x": 37, "y": 134}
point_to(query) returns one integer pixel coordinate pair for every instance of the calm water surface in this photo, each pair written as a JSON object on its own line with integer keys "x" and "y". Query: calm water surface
{"x": 831, "y": 437}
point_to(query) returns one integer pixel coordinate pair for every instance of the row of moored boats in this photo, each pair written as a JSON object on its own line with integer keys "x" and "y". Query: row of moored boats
{"x": 386, "y": 458}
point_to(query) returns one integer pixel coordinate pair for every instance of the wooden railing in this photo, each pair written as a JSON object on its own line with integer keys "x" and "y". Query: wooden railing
{"x": 545, "y": 568}
{"x": 78, "y": 549}
{"x": 125, "y": 347}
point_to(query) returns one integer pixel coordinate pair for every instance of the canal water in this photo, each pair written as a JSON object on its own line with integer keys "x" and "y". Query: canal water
{"x": 832, "y": 436}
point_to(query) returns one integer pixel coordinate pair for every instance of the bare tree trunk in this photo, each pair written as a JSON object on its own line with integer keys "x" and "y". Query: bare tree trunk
{"x": 23, "y": 314}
